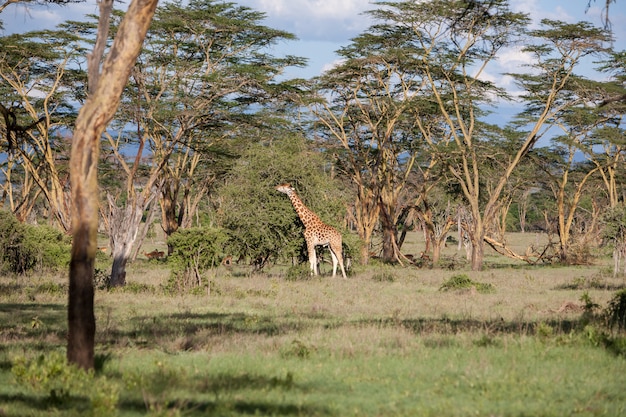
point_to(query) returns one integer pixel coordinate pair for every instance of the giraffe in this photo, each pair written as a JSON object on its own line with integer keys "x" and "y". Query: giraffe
{"x": 316, "y": 232}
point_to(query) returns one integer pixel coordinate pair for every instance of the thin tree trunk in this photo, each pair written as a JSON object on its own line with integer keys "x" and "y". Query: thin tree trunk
{"x": 144, "y": 230}
{"x": 169, "y": 220}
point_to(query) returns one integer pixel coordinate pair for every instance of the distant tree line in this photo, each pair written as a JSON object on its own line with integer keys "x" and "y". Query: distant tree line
{"x": 404, "y": 134}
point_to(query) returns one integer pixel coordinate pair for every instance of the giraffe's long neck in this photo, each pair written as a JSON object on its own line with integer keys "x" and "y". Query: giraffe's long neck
{"x": 307, "y": 217}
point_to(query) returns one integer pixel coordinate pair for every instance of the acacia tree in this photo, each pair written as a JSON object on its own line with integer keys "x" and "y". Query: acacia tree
{"x": 456, "y": 51}
{"x": 449, "y": 45}
{"x": 610, "y": 135}
{"x": 568, "y": 181}
{"x": 202, "y": 77}
{"x": 105, "y": 88}
{"x": 40, "y": 79}
{"x": 366, "y": 122}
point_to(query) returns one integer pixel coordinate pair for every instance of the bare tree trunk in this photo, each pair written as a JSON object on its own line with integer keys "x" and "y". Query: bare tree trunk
{"x": 169, "y": 219}
{"x": 104, "y": 95}
{"x": 365, "y": 217}
{"x": 389, "y": 230}
{"x": 144, "y": 230}
{"x": 478, "y": 253}
{"x": 124, "y": 225}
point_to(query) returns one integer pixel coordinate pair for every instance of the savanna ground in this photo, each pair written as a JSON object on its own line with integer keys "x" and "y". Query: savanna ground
{"x": 386, "y": 342}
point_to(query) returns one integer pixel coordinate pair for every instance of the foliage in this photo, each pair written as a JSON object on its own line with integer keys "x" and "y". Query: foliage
{"x": 462, "y": 281}
{"x": 196, "y": 250}
{"x": 205, "y": 76}
{"x": 260, "y": 221}
{"x": 26, "y": 248}
{"x": 299, "y": 272}
{"x": 66, "y": 384}
{"x": 35, "y": 155}
{"x": 614, "y": 225}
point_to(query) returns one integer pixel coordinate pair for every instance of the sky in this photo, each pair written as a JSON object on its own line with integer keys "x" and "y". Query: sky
{"x": 324, "y": 26}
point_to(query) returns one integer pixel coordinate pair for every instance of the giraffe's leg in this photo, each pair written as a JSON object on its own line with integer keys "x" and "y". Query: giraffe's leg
{"x": 335, "y": 261}
{"x": 312, "y": 257}
{"x": 335, "y": 250}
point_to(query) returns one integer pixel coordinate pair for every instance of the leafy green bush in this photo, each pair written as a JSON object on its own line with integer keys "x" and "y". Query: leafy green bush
{"x": 261, "y": 221}
{"x": 462, "y": 281}
{"x": 195, "y": 251}
{"x": 299, "y": 272}
{"x": 26, "y": 248}
{"x": 67, "y": 385}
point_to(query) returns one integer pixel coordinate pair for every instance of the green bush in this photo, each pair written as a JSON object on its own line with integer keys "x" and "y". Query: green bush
{"x": 196, "y": 250}
{"x": 26, "y": 248}
{"x": 261, "y": 221}
{"x": 67, "y": 385}
{"x": 462, "y": 281}
{"x": 299, "y": 272}
{"x": 384, "y": 275}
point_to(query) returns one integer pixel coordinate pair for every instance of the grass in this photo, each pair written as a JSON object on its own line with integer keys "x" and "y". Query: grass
{"x": 387, "y": 341}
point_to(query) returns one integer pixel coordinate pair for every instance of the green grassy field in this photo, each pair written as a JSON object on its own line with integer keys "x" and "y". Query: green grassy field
{"x": 386, "y": 342}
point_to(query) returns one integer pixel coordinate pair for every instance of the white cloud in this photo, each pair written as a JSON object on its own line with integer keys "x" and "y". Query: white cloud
{"x": 330, "y": 65}
{"x": 514, "y": 60}
{"x": 510, "y": 61}
{"x": 537, "y": 11}
{"x": 316, "y": 9}
{"x": 329, "y": 20}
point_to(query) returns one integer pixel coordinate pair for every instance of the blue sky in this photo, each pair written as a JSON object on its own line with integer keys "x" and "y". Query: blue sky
{"x": 323, "y": 26}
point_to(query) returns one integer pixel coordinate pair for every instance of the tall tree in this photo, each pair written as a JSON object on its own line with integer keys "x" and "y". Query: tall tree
{"x": 203, "y": 78}
{"x": 557, "y": 96}
{"x": 40, "y": 82}
{"x": 449, "y": 44}
{"x": 363, "y": 108}
{"x": 105, "y": 89}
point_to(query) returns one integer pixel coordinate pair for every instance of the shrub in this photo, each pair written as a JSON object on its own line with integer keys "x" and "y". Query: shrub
{"x": 66, "y": 384}
{"x": 297, "y": 349}
{"x": 26, "y": 248}
{"x": 384, "y": 275}
{"x": 195, "y": 251}
{"x": 462, "y": 281}
{"x": 299, "y": 272}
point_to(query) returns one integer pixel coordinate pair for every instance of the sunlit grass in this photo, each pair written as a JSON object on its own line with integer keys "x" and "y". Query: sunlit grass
{"x": 261, "y": 344}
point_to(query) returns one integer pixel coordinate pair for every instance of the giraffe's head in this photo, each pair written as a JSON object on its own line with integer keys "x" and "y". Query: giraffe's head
{"x": 285, "y": 188}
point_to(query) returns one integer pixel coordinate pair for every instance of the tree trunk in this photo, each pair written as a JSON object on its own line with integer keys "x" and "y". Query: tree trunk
{"x": 169, "y": 220}
{"x": 104, "y": 95}
{"x": 365, "y": 218}
{"x": 478, "y": 252}
{"x": 436, "y": 252}
{"x": 389, "y": 231}
{"x": 477, "y": 239}
{"x": 144, "y": 230}
{"x": 80, "y": 314}
{"x": 124, "y": 225}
